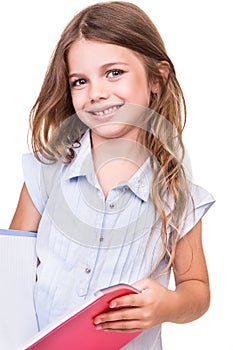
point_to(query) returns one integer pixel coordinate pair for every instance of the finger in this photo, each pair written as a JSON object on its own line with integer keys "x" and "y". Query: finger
{"x": 143, "y": 284}
{"x": 122, "y": 326}
{"x": 130, "y": 300}
{"x": 123, "y": 330}
{"x": 120, "y": 314}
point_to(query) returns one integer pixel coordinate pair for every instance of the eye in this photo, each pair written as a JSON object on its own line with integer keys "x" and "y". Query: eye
{"x": 114, "y": 73}
{"x": 78, "y": 82}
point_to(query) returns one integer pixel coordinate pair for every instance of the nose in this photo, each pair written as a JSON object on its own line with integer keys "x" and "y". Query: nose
{"x": 98, "y": 90}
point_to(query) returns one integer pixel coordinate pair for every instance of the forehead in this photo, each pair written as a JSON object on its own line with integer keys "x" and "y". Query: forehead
{"x": 89, "y": 53}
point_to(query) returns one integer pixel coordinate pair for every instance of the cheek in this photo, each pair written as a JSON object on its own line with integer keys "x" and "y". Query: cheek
{"x": 77, "y": 100}
{"x": 137, "y": 91}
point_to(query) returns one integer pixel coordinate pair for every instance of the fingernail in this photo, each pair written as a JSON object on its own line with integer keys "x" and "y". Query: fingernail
{"x": 97, "y": 321}
{"x": 112, "y": 305}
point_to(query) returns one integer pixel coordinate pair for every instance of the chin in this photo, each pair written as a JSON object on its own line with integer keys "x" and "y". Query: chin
{"x": 113, "y": 131}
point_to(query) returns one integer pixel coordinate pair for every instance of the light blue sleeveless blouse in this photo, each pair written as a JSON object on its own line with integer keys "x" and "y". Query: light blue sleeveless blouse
{"x": 86, "y": 243}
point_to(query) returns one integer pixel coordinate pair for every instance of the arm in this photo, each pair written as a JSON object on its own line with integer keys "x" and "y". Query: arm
{"x": 157, "y": 304}
{"x": 26, "y": 216}
{"x": 192, "y": 295}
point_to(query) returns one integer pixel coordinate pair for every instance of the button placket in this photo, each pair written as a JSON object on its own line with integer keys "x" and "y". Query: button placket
{"x": 99, "y": 225}
{"x": 86, "y": 273}
{"x": 91, "y": 254}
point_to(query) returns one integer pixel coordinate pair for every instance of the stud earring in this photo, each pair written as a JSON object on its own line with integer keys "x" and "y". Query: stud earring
{"x": 154, "y": 95}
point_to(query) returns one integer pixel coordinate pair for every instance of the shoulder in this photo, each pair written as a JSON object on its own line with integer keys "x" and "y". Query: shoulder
{"x": 200, "y": 196}
{"x": 39, "y": 177}
{"x": 197, "y": 206}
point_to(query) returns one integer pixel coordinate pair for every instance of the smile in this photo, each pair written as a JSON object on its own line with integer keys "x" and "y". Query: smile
{"x": 105, "y": 112}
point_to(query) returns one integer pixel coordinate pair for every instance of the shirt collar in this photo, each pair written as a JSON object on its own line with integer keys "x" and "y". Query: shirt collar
{"x": 141, "y": 181}
{"x": 82, "y": 165}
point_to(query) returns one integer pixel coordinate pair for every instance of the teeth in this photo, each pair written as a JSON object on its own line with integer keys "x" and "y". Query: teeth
{"x": 106, "y": 111}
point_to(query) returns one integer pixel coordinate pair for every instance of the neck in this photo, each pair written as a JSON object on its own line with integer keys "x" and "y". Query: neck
{"x": 117, "y": 160}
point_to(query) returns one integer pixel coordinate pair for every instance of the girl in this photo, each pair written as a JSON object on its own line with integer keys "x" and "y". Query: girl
{"x": 106, "y": 188}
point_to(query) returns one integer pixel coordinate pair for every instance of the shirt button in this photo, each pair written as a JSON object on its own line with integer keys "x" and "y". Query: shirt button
{"x": 111, "y": 205}
{"x": 125, "y": 188}
{"x": 87, "y": 270}
{"x": 101, "y": 238}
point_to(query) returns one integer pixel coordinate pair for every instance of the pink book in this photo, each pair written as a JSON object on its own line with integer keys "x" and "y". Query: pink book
{"x": 77, "y": 331}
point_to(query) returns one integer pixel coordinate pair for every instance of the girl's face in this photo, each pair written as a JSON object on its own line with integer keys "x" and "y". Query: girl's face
{"x": 105, "y": 80}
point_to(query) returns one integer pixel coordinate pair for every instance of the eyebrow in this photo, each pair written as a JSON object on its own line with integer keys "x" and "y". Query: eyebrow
{"x": 105, "y": 66}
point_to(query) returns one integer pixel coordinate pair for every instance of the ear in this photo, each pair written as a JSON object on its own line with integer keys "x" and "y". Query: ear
{"x": 164, "y": 69}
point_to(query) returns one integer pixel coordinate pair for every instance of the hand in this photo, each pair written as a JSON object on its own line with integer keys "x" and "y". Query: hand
{"x": 136, "y": 312}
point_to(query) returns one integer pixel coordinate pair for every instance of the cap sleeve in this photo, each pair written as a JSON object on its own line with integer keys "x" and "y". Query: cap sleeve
{"x": 32, "y": 178}
{"x": 201, "y": 202}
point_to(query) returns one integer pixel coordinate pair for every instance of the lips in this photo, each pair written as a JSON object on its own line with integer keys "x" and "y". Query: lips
{"x": 104, "y": 113}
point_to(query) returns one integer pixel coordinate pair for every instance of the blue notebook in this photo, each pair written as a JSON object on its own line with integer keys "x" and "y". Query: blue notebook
{"x": 15, "y": 233}
{"x": 17, "y": 279}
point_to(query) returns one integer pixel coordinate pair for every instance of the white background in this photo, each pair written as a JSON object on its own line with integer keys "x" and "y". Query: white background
{"x": 198, "y": 38}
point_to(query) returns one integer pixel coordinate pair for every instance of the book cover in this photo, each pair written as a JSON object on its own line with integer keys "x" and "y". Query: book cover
{"x": 17, "y": 277}
{"x": 77, "y": 331}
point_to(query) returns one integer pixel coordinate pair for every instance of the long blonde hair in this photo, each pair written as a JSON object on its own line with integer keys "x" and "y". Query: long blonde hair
{"x": 123, "y": 24}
